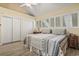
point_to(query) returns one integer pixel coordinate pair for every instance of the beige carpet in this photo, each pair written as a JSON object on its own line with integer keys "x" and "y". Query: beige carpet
{"x": 18, "y": 49}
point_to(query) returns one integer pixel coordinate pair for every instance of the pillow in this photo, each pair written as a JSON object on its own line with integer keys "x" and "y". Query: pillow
{"x": 59, "y": 31}
{"x": 45, "y": 31}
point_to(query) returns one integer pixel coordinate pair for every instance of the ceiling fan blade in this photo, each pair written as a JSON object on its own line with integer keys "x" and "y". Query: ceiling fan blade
{"x": 31, "y": 14}
{"x": 34, "y": 4}
{"x": 23, "y": 5}
{"x": 28, "y": 4}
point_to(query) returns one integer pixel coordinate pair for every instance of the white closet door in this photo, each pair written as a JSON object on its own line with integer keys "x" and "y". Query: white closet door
{"x": 26, "y": 27}
{"x": 0, "y": 29}
{"x": 23, "y": 29}
{"x": 6, "y": 29}
{"x": 16, "y": 29}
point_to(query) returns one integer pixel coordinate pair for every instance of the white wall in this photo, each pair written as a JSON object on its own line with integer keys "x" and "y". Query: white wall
{"x": 27, "y": 26}
{"x": 0, "y": 29}
{"x": 0, "y": 33}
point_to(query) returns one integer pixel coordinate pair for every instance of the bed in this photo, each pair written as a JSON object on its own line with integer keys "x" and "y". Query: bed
{"x": 40, "y": 41}
{"x": 48, "y": 44}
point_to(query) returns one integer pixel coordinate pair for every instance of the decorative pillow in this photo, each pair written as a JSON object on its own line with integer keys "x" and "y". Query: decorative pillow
{"x": 45, "y": 31}
{"x": 59, "y": 31}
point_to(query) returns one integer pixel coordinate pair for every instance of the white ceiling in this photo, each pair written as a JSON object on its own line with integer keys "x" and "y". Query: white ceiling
{"x": 45, "y": 8}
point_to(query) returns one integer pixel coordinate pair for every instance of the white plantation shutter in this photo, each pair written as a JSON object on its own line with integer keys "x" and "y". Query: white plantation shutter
{"x": 74, "y": 20}
{"x": 68, "y": 21}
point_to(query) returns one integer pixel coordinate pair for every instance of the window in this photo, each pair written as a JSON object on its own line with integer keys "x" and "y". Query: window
{"x": 67, "y": 21}
{"x": 52, "y": 22}
{"x": 58, "y": 23}
{"x": 38, "y": 23}
{"x": 74, "y": 20}
{"x": 47, "y": 20}
{"x": 44, "y": 23}
{"x": 64, "y": 25}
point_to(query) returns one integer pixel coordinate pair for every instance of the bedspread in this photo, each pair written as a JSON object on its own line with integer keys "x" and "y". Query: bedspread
{"x": 48, "y": 44}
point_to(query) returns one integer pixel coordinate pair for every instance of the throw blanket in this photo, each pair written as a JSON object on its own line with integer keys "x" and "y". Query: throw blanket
{"x": 53, "y": 45}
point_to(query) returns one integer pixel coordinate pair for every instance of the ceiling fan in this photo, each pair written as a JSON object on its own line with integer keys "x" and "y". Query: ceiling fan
{"x": 29, "y": 5}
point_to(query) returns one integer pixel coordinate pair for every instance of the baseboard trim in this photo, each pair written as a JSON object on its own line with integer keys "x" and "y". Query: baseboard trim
{"x": 11, "y": 42}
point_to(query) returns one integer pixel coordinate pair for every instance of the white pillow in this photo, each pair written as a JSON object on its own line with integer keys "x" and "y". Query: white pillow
{"x": 59, "y": 31}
